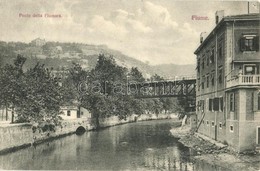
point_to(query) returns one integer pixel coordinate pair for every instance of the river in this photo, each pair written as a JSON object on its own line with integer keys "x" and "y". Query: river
{"x": 145, "y": 145}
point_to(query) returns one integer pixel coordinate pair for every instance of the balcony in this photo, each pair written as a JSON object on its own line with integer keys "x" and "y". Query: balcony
{"x": 244, "y": 80}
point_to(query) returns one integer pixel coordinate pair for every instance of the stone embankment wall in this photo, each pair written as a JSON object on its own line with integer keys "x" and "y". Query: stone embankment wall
{"x": 15, "y": 135}
{"x": 67, "y": 127}
{"x": 19, "y": 135}
{"x": 114, "y": 120}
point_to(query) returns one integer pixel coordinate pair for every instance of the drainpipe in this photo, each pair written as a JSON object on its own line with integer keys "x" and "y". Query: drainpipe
{"x": 216, "y": 80}
{"x": 233, "y": 44}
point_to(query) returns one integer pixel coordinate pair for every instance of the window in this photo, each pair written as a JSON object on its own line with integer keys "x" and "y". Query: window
{"x": 202, "y": 83}
{"x": 207, "y": 122}
{"x": 198, "y": 84}
{"x": 232, "y": 102}
{"x": 220, "y": 52}
{"x": 203, "y": 63}
{"x": 258, "y": 135}
{"x": 231, "y": 128}
{"x": 212, "y": 56}
{"x": 216, "y": 104}
{"x": 207, "y": 79}
{"x": 221, "y": 105}
{"x": 207, "y": 59}
{"x": 212, "y": 123}
{"x": 220, "y": 75}
{"x": 220, "y": 125}
{"x": 210, "y": 104}
{"x": 250, "y": 69}
{"x": 212, "y": 78}
{"x": 198, "y": 106}
{"x": 258, "y": 101}
{"x": 249, "y": 43}
{"x": 68, "y": 113}
{"x": 202, "y": 105}
{"x": 198, "y": 65}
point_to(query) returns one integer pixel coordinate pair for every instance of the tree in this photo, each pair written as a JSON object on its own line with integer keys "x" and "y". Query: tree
{"x": 99, "y": 105}
{"x": 42, "y": 100}
{"x": 157, "y": 108}
{"x": 136, "y": 75}
{"x": 34, "y": 95}
{"x": 12, "y": 84}
{"x": 74, "y": 85}
{"x": 156, "y": 77}
{"x": 105, "y": 102}
{"x": 168, "y": 104}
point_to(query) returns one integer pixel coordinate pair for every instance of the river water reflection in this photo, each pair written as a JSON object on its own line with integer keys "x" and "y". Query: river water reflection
{"x": 136, "y": 146}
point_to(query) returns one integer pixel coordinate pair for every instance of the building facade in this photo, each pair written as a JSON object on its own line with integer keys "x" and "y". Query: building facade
{"x": 228, "y": 82}
{"x": 73, "y": 112}
{"x": 38, "y": 42}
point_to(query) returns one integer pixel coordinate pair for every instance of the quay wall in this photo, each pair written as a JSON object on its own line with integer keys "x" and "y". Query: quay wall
{"x": 15, "y": 136}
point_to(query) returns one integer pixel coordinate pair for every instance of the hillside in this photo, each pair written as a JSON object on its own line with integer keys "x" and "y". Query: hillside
{"x": 61, "y": 55}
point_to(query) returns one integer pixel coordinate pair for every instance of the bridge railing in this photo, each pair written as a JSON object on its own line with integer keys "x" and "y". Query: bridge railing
{"x": 176, "y": 78}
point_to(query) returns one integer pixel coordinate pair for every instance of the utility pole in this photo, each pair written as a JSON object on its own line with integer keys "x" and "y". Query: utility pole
{"x": 248, "y": 7}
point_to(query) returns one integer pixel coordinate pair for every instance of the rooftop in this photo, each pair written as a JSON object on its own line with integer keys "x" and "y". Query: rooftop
{"x": 243, "y": 17}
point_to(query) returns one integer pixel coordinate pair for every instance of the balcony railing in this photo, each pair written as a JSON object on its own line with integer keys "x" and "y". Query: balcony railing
{"x": 244, "y": 80}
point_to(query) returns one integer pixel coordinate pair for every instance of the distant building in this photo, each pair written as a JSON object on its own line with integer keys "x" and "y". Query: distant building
{"x": 60, "y": 73}
{"x": 228, "y": 82}
{"x": 73, "y": 112}
{"x": 6, "y": 115}
{"x": 38, "y": 42}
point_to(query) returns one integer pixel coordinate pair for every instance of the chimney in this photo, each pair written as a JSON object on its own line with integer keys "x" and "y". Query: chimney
{"x": 219, "y": 15}
{"x": 201, "y": 39}
{"x": 202, "y": 35}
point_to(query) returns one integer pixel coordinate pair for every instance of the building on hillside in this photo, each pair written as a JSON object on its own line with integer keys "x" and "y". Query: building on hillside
{"x": 228, "y": 82}
{"x": 60, "y": 73}
{"x": 73, "y": 112}
{"x": 38, "y": 42}
{"x": 7, "y": 115}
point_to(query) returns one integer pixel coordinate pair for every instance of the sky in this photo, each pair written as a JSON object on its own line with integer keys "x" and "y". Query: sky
{"x": 153, "y": 31}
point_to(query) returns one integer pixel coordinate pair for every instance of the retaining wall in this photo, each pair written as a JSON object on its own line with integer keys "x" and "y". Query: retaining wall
{"x": 14, "y": 135}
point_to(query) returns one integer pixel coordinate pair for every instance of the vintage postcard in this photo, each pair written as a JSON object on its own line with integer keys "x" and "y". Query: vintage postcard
{"x": 129, "y": 85}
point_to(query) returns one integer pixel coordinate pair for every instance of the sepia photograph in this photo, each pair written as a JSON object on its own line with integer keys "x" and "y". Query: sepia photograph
{"x": 130, "y": 85}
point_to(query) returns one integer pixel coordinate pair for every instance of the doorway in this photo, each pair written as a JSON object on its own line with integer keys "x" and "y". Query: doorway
{"x": 258, "y": 135}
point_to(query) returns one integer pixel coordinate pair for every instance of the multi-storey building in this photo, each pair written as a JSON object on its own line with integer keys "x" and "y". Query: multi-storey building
{"x": 228, "y": 82}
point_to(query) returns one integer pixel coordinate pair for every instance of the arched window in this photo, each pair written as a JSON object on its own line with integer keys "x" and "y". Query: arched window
{"x": 258, "y": 101}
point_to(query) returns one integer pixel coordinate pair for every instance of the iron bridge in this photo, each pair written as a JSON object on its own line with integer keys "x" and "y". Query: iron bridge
{"x": 185, "y": 87}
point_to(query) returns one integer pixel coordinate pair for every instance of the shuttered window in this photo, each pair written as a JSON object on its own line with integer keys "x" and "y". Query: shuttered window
{"x": 216, "y": 104}
{"x": 207, "y": 80}
{"x": 212, "y": 56}
{"x": 210, "y": 104}
{"x": 220, "y": 75}
{"x": 221, "y": 105}
{"x": 213, "y": 78}
{"x": 249, "y": 43}
{"x": 232, "y": 102}
{"x": 258, "y": 101}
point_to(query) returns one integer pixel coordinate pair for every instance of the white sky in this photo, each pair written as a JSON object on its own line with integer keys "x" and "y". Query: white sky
{"x": 158, "y": 31}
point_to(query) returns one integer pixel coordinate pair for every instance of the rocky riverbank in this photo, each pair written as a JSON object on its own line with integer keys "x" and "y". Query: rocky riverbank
{"x": 215, "y": 153}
